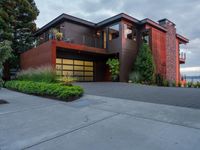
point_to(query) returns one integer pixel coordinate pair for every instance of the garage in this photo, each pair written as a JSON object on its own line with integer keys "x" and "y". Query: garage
{"x": 81, "y": 70}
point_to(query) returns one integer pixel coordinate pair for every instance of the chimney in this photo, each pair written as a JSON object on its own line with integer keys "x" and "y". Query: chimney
{"x": 171, "y": 53}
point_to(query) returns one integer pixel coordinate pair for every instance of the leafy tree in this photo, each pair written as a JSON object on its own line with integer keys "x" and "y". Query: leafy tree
{"x": 16, "y": 28}
{"x": 145, "y": 65}
{"x": 5, "y": 52}
{"x": 113, "y": 68}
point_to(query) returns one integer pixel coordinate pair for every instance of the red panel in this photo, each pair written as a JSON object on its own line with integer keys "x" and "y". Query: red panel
{"x": 158, "y": 46}
{"x": 39, "y": 56}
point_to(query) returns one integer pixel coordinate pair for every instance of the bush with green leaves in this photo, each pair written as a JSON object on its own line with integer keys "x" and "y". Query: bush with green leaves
{"x": 41, "y": 74}
{"x": 54, "y": 90}
{"x": 159, "y": 80}
{"x": 1, "y": 83}
{"x": 144, "y": 64}
{"x": 165, "y": 83}
{"x": 134, "y": 77}
{"x": 113, "y": 64}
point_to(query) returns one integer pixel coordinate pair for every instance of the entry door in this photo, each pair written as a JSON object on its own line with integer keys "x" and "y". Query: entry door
{"x": 81, "y": 70}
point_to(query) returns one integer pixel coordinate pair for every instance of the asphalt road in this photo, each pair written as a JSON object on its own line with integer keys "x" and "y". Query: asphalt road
{"x": 184, "y": 97}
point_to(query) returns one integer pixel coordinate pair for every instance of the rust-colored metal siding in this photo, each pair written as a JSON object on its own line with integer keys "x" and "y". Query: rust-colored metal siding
{"x": 158, "y": 46}
{"x": 36, "y": 57}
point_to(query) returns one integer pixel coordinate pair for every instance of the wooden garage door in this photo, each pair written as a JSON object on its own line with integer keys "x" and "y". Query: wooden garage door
{"x": 79, "y": 69}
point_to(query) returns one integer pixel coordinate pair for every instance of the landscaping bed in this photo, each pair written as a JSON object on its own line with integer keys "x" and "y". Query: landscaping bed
{"x": 51, "y": 90}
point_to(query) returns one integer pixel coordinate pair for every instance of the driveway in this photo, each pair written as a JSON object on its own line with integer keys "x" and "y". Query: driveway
{"x": 95, "y": 123}
{"x": 185, "y": 97}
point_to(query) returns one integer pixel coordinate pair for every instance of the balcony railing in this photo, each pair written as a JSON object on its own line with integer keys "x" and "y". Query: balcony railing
{"x": 90, "y": 41}
{"x": 182, "y": 57}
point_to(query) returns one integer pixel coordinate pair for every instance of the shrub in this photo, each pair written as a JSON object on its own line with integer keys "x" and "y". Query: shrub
{"x": 113, "y": 68}
{"x": 189, "y": 84}
{"x": 173, "y": 83}
{"x": 67, "y": 80}
{"x": 179, "y": 84}
{"x": 41, "y": 74}
{"x": 165, "y": 83}
{"x": 159, "y": 80}
{"x": 54, "y": 90}
{"x": 198, "y": 84}
{"x": 144, "y": 64}
{"x": 134, "y": 77}
{"x": 1, "y": 83}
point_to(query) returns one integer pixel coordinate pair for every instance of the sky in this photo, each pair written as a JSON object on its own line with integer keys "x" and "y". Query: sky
{"x": 184, "y": 13}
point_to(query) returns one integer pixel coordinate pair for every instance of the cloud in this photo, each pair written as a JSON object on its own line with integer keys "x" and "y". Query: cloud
{"x": 184, "y": 13}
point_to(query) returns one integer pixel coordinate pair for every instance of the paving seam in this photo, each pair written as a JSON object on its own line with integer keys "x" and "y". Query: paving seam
{"x": 146, "y": 118}
{"x": 74, "y": 130}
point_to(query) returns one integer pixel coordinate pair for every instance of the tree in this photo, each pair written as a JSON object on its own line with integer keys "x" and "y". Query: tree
{"x": 17, "y": 26}
{"x": 144, "y": 64}
{"x": 5, "y": 52}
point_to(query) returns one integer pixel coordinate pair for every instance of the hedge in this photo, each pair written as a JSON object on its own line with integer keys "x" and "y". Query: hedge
{"x": 54, "y": 90}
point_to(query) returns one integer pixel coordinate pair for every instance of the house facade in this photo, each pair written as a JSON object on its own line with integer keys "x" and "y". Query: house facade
{"x": 85, "y": 47}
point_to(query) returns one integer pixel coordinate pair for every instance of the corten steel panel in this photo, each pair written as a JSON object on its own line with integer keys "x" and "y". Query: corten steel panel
{"x": 158, "y": 46}
{"x": 39, "y": 56}
{"x": 78, "y": 47}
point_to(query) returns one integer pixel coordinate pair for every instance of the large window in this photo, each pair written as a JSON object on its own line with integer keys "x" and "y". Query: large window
{"x": 145, "y": 36}
{"x": 79, "y": 69}
{"x": 129, "y": 32}
{"x": 113, "y": 32}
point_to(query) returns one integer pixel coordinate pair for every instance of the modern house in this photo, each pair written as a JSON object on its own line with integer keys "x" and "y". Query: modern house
{"x": 86, "y": 46}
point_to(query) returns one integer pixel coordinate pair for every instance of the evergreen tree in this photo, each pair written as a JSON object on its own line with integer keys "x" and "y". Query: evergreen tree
{"x": 16, "y": 28}
{"x": 145, "y": 65}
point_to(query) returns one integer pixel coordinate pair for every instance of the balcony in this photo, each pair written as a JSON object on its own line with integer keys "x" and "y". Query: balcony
{"x": 182, "y": 58}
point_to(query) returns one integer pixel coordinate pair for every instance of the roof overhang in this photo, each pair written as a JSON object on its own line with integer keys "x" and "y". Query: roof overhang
{"x": 62, "y": 18}
{"x": 152, "y": 23}
{"x": 182, "y": 39}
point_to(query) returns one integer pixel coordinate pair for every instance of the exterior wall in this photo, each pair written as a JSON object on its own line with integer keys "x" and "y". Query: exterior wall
{"x": 158, "y": 46}
{"x": 171, "y": 54}
{"x": 127, "y": 55}
{"x": 39, "y": 56}
{"x": 177, "y": 61}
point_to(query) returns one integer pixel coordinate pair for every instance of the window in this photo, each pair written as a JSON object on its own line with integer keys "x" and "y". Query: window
{"x": 113, "y": 32}
{"x": 145, "y": 36}
{"x": 79, "y": 69}
{"x": 130, "y": 32}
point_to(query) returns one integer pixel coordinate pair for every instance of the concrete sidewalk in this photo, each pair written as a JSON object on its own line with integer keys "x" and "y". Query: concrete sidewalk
{"x": 95, "y": 122}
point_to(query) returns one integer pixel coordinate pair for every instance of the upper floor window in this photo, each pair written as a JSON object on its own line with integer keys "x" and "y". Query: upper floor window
{"x": 129, "y": 32}
{"x": 113, "y": 32}
{"x": 145, "y": 36}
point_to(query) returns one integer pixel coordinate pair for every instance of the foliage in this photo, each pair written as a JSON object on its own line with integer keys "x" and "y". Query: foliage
{"x": 1, "y": 83}
{"x": 173, "y": 83}
{"x": 113, "y": 67}
{"x": 189, "y": 84}
{"x": 179, "y": 84}
{"x": 59, "y": 36}
{"x": 159, "y": 80}
{"x": 134, "y": 77}
{"x": 66, "y": 80}
{"x": 17, "y": 26}
{"x": 54, "y": 90}
{"x": 41, "y": 74}
{"x": 145, "y": 65}
{"x": 5, "y": 52}
{"x": 165, "y": 83}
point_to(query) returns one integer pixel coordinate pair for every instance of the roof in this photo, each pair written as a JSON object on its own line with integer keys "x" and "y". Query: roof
{"x": 105, "y": 22}
{"x": 182, "y": 38}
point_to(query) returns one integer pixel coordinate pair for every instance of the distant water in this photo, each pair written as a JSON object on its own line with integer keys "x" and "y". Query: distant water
{"x": 193, "y": 79}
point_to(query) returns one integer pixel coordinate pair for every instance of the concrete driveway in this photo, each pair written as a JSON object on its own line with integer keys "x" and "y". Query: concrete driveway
{"x": 95, "y": 123}
{"x": 185, "y": 97}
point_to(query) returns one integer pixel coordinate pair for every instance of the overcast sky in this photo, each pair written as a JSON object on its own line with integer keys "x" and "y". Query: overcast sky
{"x": 184, "y": 13}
